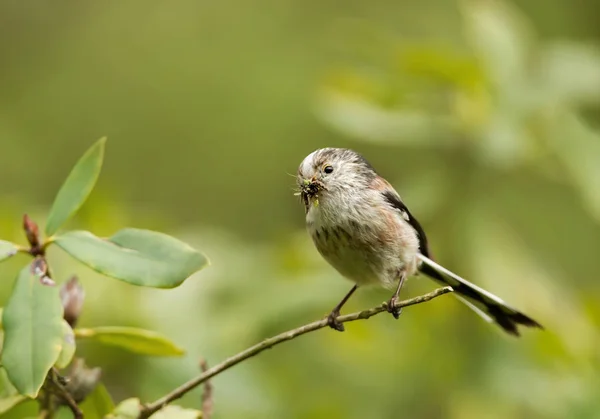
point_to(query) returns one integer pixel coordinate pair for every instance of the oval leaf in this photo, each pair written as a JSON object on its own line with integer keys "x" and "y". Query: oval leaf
{"x": 33, "y": 332}
{"x": 140, "y": 257}
{"x": 7, "y": 249}
{"x": 97, "y": 404}
{"x": 68, "y": 346}
{"x": 176, "y": 412}
{"x": 135, "y": 340}
{"x": 77, "y": 187}
{"x": 127, "y": 409}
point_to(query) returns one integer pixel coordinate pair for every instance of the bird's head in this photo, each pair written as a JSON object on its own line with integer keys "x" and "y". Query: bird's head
{"x": 330, "y": 171}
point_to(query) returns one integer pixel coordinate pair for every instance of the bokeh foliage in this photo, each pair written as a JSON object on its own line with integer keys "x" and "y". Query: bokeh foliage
{"x": 484, "y": 119}
{"x": 37, "y": 327}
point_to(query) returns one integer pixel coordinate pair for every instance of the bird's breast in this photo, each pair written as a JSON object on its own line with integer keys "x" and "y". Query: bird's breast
{"x": 364, "y": 247}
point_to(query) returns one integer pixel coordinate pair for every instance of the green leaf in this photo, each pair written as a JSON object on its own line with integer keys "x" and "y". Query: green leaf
{"x": 68, "y": 346}
{"x": 135, "y": 340}
{"x": 7, "y": 249}
{"x": 9, "y": 402}
{"x": 570, "y": 73}
{"x": 33, "y": 332}
{"x": 441, "y": 64}
{"x": 77, "y": 187}
{"x": 6, "y": 387}
{"x": 581, "y": 160}
{"x": 127, "y": 409}
{"x": 365, "y": 120}
{"x": 97, "y": 404}
{"x": 176, "y": 412}
{"x": 500, "y": 36}
{"x": 140, "y": 257}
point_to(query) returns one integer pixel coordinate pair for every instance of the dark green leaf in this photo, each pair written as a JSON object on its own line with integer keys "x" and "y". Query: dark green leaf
{"x": 68, "y": 346}
{"x": 77, "y": 187}
{"x": 97, "y": 404}
{"x": 140, "y": 257}
{"x": 33, "y": 332}
{"x": 135, "y": 340}
{"x": 7, "y": 249}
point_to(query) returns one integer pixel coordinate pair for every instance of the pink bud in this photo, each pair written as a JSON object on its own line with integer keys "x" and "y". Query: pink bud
{"x": 31, "y": 231}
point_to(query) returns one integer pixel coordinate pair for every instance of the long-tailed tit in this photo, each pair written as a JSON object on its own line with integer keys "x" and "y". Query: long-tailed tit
{"x": 362, "y": 228}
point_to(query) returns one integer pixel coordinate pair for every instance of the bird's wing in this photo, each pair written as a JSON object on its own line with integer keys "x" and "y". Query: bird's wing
{"x": 394, "y": 200}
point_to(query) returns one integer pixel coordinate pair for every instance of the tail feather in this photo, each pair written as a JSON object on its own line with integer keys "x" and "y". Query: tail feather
{"x": 484, "y": 303}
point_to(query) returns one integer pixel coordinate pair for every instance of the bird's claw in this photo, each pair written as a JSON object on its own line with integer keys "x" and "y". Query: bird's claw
{"x": 391, "y": 307}
{"x": 333, "y": 322}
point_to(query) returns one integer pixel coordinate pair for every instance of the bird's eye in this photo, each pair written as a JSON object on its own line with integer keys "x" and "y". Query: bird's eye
{"x": 328, "y": 169}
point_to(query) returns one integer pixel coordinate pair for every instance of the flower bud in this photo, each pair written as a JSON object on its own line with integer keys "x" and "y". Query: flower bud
{"x": 39, "y": 267}
{"x": 71, "y": 297}
{"x": 82, "y": 380}
{"x": 31, "y": 231}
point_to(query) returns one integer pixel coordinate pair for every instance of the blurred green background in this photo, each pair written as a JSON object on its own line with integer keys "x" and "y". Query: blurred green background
{"x": 484, "y": 115}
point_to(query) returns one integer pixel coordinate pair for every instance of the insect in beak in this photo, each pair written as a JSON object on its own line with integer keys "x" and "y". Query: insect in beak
{"x": 309, "y": 190}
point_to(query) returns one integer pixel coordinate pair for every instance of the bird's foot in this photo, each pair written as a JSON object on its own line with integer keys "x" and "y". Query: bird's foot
{"x": 333, "y": 322}
{"x": 391, "y": 307}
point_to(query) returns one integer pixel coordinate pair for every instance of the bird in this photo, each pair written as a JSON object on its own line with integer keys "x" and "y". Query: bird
{"x": 363, "y": 229}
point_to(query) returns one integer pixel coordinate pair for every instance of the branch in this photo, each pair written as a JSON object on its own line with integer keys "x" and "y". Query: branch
{"x": 180, "y": 391}
{"x": 207, "y": 396}
{"x": 65, "y": 395}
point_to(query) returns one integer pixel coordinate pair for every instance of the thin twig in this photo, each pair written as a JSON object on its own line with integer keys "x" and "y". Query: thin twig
{"x": 46, "y": 404}
{"x": 66, "y": 396}
{"x": 153, "y": 407}
{"x": 207, "y": 395}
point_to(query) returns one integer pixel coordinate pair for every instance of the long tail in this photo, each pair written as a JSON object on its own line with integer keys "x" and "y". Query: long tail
{"x": 484, "y": 303}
